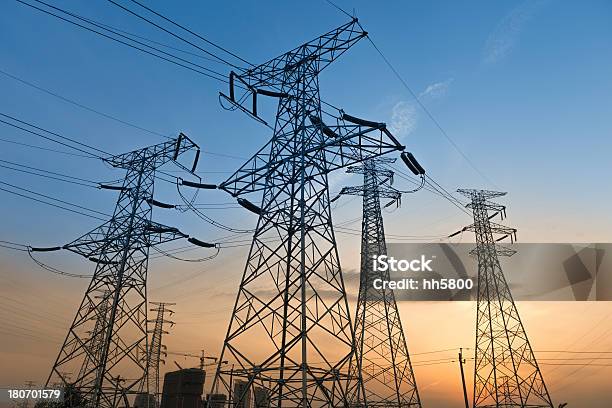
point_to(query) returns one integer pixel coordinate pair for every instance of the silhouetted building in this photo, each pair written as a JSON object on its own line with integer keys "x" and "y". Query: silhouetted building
{"x": 145, "y": 401}
{"x": 216, "y": 400}
{"x": 262, "y": 397}
{"x": 183, "y": 388}
{"x": 242, "y": 394}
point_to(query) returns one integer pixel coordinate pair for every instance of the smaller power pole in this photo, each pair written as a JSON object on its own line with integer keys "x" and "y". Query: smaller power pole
{"x": 461, "y": 362}
{"x": 156, "y": 348}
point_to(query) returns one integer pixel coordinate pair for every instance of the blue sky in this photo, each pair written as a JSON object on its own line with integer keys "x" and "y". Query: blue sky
{"x": 522, "y": 87}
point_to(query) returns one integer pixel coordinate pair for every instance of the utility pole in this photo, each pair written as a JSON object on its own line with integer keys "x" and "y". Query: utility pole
{"x": 108, "y": 336}
{"x": 506, "y": 370}
{"x": 305, "y": 339}
{"x": 157, "y": 348}
{"x": 461, "y": 363}
{"x": 381, "y": 351}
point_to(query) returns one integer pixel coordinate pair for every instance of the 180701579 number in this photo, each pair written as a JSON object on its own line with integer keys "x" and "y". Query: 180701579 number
{"x": 34, "y": 394}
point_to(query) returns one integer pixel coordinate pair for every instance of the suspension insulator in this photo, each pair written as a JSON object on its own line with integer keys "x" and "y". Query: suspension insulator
{"x": 412, "y": 163}
{"x": 158, "y": 229}
{"x": 455, "y": 233}
{"x": 249, "y": 206}
{"x": 231, "y": 86}
{"x": 390, "y": 203}
{"x": 409, "y": 164}
{"x": 324, "y": 128}
{"x": 101, "y": 261}
{"x": 416, "y": 164}
{"x": 198, "y": 185}
{"x": 178, "y": 146}
{"x": 272, "y": 93}
{"x": 195, "y": 161}
{"x": 109, "y": 187}
{"x": 156, "y": 203}
{"x": 363, "y": 122}
{"x": 203, "y": 244}
{"x": 45, "y": 249}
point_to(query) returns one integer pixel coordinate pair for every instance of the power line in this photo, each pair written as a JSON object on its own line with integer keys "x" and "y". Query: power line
{"x": 433, "y": 119}
{"x": 120, "y": 41}
{"x": 170, "y": 32}
{"x": 46, "y": 149}
{"x": 54, "y": 199}
{"x": 119, "y": 34}
{"x": 51, "y": 138}
{"x": 140, "y": 37}
{"x": 50, "y": 175}
{"x": 334, "y": 5}
{"x": 574, "y": 352}
{"x": 195, "y": 34}
{"x": 78, "y": 104}
{"x": 55, "y": 134}
{"x": 9, "y": 246}
{"x": 433, "y": 188}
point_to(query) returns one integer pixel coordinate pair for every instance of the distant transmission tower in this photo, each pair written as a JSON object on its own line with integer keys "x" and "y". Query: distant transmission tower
{"x": 156, "y": 348}
{"x": 506, "y": 371}
{"x": 382, "y": 353}
{"x": 290, "y": 337}
{"x": 107, "y": 341}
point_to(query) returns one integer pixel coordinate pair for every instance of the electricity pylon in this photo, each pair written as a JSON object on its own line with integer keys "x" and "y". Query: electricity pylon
{"x": 381, "y": 349}
{"x": 120, "y": 250}
{"x": 290, "y": 335}
{"x": 506, "y": 372}
{"x": 97, "y": 333}
{"x": 157, "y": 348}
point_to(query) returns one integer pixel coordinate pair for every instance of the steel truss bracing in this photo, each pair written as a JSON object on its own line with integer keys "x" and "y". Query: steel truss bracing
{"x": 506, "y": 371}
{"x": 381, "y": 350}
{"x": 290, "y": 340}
{"x": 97, "y": 334}
{"x": 107, "y": 344}
{"x": 157, "y": 349}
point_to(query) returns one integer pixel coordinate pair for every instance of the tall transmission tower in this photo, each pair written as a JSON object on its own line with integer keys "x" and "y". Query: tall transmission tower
{"x": 107, "y": 342}
{"x": 506, "y": 372}
{"x": 96, "y": 335}
{"x": 290, "y": 337}
{"x": 157, "y": 348}
{"x": 381, "y": 349}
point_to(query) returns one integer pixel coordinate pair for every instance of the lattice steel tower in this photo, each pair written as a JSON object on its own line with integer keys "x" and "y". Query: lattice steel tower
{"x": 97, "y": 333}
{"x": 290, "y": 337}
{"x": 506, "y": 372}
{"x": 382, "y": 353}
{"x": 157, "y": 349}
{"x": 107, "y": 341}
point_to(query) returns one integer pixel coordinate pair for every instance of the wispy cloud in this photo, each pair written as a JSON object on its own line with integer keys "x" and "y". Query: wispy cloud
{"x": 506, "y": 35}
{"x": 403, "y": 119}
{"x": 436, "y": 90}
{"x": 404, "y": 114}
